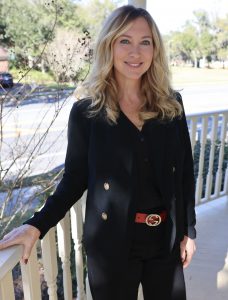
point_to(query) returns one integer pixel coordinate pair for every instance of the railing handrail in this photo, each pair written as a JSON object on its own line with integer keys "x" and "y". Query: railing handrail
{"x": 9, "y": 258}
{"x": 207, "y": 113}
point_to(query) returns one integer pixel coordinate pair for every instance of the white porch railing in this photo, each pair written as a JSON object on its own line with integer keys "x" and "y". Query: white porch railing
{"x": 207, "y": 126}
{"x": 210, "y": 130}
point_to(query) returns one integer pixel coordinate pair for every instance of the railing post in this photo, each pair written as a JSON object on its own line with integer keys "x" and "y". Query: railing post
{"x": 221, "y": 156}
{"x": 6, "y": 287}
{"x": 140, "y": 293}
{"x": 226, "y": 181}
{"x": 31, "y": 277}
{"x": 48, "y": 245}
{"x": 199, "y": 182}
{"x": 193, "y": 132}
{"x": 64, "y": 246}
{"x": 77, "y": 228}
{"x": 88, "y": 291}
{"x": 211, "y": 159}
{"x": 8, "y": 259}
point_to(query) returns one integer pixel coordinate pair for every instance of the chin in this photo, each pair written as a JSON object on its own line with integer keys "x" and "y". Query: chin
{"x": 134, "y": 76}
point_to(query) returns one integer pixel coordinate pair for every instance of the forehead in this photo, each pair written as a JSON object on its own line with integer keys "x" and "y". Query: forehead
{"x": 138, "y": 26}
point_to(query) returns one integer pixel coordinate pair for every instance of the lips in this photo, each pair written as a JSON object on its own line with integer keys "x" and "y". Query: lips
{"x": 133, "y": 65}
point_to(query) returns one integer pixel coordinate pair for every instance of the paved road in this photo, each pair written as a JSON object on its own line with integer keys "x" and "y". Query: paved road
{"x": 204, "y": 98}
{"x": 19, "y": 127}
{"x": 26, "y": 119}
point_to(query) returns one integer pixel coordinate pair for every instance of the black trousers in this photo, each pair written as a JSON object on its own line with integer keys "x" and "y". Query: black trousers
{"x": 149, "y": 263}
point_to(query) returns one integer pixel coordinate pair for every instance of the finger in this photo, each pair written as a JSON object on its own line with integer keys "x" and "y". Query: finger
{"x": 182, "y": 252}
{"x": 187, "y": 260}
{"x": 183, "y": 255}
{"x": 26, "y": 254}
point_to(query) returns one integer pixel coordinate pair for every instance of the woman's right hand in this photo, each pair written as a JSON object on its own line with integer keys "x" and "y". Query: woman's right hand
{"x": 25, "y": 235}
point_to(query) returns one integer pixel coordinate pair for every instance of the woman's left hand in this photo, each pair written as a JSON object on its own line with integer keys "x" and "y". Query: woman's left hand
{"x": 187, "y": 249}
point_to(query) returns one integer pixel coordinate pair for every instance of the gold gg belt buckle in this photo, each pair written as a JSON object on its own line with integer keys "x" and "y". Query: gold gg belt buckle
{"x": 153, "y": 220}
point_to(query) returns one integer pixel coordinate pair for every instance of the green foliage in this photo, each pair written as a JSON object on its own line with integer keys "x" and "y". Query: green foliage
{"x": 184, "y": 44}
{"x": 200, "y": 38}
{"x": 30, "y": 30}
{"x": 206, "y": 162}
{"x": 33, "y": 76}
{"x": 221, "y": 30}
{"x": 93, "y": 13}
{"x": 26, "y": 28}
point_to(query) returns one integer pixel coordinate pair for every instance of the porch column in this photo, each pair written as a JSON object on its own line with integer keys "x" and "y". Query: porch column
{"x": 138, "y": 3}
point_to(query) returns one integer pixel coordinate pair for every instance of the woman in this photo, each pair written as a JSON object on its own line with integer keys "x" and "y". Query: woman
{"x": 128, "y": 144}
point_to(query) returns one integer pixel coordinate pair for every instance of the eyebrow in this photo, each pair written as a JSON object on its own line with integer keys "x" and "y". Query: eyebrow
{"x": 143, "y": 37}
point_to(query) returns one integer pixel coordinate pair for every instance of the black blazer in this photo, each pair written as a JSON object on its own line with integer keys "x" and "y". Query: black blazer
{"x": 99, "y": 158}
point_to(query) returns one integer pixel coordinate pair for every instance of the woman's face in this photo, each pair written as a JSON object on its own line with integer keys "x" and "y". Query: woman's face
{"x": 133, "y": 51}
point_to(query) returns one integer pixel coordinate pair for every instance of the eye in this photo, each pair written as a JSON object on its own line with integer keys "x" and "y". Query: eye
{"x": 146, "y": 42}
{"x": 124, "y": 41}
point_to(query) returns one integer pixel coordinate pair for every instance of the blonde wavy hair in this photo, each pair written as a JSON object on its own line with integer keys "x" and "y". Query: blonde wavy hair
{"x": 156, "y": 89}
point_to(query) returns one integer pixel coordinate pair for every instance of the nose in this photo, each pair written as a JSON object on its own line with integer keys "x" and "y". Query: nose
{"x": 134, "y": 51}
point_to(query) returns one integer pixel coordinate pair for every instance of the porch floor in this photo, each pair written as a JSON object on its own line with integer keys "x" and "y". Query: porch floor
{"x": 207, "y": 276}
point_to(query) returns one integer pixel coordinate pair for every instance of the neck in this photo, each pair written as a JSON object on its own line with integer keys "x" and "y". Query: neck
{"x": 129, "y": 92}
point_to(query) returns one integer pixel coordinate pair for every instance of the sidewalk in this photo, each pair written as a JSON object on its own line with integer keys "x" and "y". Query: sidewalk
{"x": 207, "y": 276}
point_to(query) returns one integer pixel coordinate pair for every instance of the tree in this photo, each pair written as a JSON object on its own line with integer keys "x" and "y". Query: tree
{"x": 93, "y": 13}
{"x": 185, "y": 44}
{"x": 221, "y": 29}
{"x": 67, "y": 53}
{"x": 26, "y": 29}
{"x": 195, "y": 41}
{"x": 18, "y": 154}
{"x": 205, "y": 34}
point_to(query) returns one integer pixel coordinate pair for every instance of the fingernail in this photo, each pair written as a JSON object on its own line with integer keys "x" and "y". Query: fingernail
{"x": 26, "y": 261}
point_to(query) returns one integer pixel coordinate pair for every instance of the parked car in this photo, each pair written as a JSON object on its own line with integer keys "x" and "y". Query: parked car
{"x": 6, "y": 79}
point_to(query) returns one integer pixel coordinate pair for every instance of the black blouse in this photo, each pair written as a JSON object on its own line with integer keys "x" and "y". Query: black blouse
{"x": 148, "y": 194}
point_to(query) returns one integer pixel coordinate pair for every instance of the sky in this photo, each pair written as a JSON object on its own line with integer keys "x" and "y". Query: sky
{"x": 172, "y": 14}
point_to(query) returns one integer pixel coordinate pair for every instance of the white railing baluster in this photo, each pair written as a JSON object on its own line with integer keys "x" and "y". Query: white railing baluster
{"x": 77, "y": 228}
{"x": 209, "y": 179}
{"x": 49, "y": 256}
{"x": 140, "y": 293}
{"x": 88, "y": 291}
{"x": 226, "y": 182}
{"x": 6, "y": 287}
{"x": 193, "y": 126}
{"x": 223, "y": 134}
{"x": 31, "y": 278}
{"x": 64, "y": 247}
{"x": 199, "y": 181}
{"x": 8, "y": 260}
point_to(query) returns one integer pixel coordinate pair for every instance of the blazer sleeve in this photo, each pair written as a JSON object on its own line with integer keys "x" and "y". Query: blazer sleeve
{"x": 74, "y": 181}
{"x": 188, "y": 179}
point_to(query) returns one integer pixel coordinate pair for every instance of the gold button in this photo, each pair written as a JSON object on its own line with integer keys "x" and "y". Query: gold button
{"x": 106, "y": 186}
{"x": 174, "y": 169}
{"x": 104, "y": 216}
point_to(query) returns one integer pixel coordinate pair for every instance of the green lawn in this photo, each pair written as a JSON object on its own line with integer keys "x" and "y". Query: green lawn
{"x": 37, "y": 77}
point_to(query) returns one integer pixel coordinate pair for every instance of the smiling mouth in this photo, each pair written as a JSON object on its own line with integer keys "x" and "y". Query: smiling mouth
{"x": 133, "y": 65}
